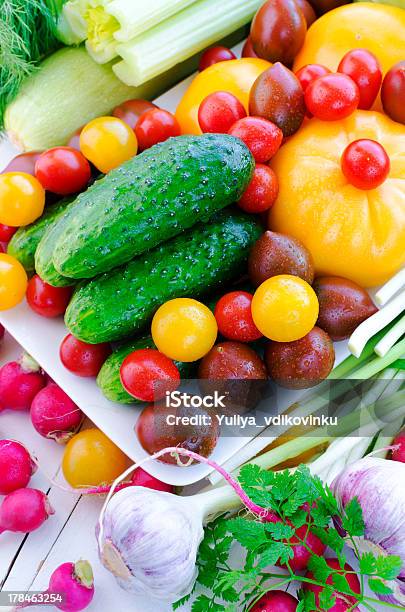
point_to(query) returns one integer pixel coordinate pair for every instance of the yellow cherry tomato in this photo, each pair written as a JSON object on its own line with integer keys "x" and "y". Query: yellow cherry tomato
{"x": 108, "y": 142}
{"x": 285, "y": 308}
{"x": 349, "y": 232}
{"x": 235, "y": 76}
{"x": 22, "y": 199}
{"x": 91, "y": 459}
{"x": 184, "y": 329}
{"x": 13, "y": 282}
{"x": 376, "y": 27}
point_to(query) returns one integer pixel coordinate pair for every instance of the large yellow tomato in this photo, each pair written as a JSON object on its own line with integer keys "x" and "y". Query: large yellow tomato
{"x": 352, "y": 233}
{"x": 236, "y": 76}
{"x": 376, "y": 27}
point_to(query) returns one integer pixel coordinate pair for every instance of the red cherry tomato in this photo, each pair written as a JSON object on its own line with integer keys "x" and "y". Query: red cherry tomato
{"x": 7, "y": 232}
{"x": 261, "y": 136}
{"x": 248, "y": 50}
{"x": 332, "y": 97}
{"x": 309, "y": 73}
{"x": 393, "y": 92}
{"x": 365, "y": 70}
{"x": 262, "y": 191}
{"x": 81, "y": 358}
{"x": 74, "y": 141}
{"x": 46, "y": 300}
{"x": 131, "y": 110}
{"x": 219, "y": 111}
{"x": 233, "y": 313}
{"x": 147, "y": 374}
{"x": 23, "y": 163}
{"x": 63, "y": 170}
{"x": 213, "y": 55}
{"x": 365, "y": 164}
{"x": 156, "y": 125}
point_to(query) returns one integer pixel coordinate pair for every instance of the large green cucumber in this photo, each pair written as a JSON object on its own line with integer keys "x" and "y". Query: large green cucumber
{"x": 122, "y": 302}
{"x": 150, "y": 199}
{"x": 109, "y": 380}
{"x": 43, "y": 255}
{"x": 25, "y": 241}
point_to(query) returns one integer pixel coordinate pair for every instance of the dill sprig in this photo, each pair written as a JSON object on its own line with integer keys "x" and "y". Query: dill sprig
{"x": 27, "y": 34}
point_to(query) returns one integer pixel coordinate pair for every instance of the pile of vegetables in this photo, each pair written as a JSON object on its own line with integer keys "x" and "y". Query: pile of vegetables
{"x": 233, "y": 241}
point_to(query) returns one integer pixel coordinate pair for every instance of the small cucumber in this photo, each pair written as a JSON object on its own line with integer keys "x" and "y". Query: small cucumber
{"x": 109, "y": 380}
{"x": 150, "y": 199}
{"x": 43, "y": 256}
{"x": 25, "y": 241}
{"x": 122, "y": 302}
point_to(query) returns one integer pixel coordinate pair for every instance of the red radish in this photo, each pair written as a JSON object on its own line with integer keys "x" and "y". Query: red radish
{"x": 45, "y": 300}
{"x": 16, "y": 466}
{"x": 398, "y": 454}
{"x": 2, "y": 330}
{"x": 54, "y": 415}
{"x": 311, "y": 544}
{"x": 81, "y": 358}
{"x": 343, "y": 602}
{"x": 24, "y": 511}
{"x": 74, "y": 583}
{"x": 20, "y": 382}
{"x": 139, "y": 478}
{"x": 275, "y": 601}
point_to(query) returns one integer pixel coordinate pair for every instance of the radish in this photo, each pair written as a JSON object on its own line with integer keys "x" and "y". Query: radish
{"x": 398, "y": 454}
{"x": 24, "y": 510}
{"x": 20, "y": 381}
{"x": 139, "y": 478}
{"x": 74, "y": 583}
{"x": 16, "y": 466}
{"x": 275, "y": 601}
{"x": 54, "y": 415}
{"x": 343, "y": 602}
{"x": 2, "y": 331}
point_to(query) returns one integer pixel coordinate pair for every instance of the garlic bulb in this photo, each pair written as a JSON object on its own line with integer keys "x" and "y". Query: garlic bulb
{"x": 149, "y": 540}
{"x": 379, "y": 487}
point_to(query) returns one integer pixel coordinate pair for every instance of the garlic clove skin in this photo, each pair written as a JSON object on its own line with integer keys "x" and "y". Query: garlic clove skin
{"x": 149, "y": 540}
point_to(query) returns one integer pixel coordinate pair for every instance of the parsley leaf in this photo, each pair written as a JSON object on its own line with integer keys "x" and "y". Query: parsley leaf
{"x": 319, "y": 568}
{"x": 248, "y": 533}
{"x": 379, "y": 587}
{"x": 327, "y": 598}
{"x": 352, "y": 520}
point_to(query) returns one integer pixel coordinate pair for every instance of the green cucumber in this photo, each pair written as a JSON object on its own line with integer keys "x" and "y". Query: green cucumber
{"x": 122, "y": 302}
{"x": 150, "y": 199}
{"x": 43, "y": 255}
{"x": 25, "y": 241}
{"x": 109, "y": 380}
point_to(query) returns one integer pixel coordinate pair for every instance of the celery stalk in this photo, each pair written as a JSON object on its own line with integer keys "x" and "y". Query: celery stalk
{"x": 72, "y": 28}
{"x": 180, "y": 36}
{"x": 67, "y": 91}
{"x": 134, "y": 19}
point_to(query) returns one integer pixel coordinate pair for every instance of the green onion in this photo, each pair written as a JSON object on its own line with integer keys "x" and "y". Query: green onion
{"x": 180, "y": 37}
{"x": 380, "y": 363}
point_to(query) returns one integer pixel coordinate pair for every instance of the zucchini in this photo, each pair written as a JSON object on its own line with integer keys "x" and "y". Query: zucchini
{"x": 122, "y": 302}
{"x": 43, "y": 256}
{"x": 151, "y": 198}
{"x": 109, "y": 380}
{"x": 25, "y": 241}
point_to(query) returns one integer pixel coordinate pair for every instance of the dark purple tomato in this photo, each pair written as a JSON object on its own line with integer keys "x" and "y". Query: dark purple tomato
{"x": 248, "y": 50}
{"x": 323, "y": 6}
{"x": 278, "y": 31}
{"x": 277, "y": 95}
{"x": 302, "y": 363}
{"x": 393, "y": 92}
{"x": 131, "y": 110}
{"x": 274, "y": 254}
{"x": 343, "y": 305}
{"x": 235, "y": 370}
{"x": 308, "y": 11}
{"x": 161, "y": 426}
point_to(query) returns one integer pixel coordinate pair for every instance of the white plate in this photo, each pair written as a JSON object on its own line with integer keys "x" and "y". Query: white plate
{"x": 41, "y": 338}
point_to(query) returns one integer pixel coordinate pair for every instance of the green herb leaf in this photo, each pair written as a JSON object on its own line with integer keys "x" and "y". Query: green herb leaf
{"x": 203, "y": 604}
{"x": 279, "y": 531}
{"x": 388, "y": 566}
{"x": 352, "y": 521}
{"x": 306, "y": 601}
{"x": 275, "y": 553}
{"x": 327, "y": 598}
{"x": 319, "y": 568}
{"x": 181, "y": 602}
{"x": 379, "y": 587}
{"x": 330, "y": 537}
{"x": 341, "y": 584}
{"x": 250, "y": 534}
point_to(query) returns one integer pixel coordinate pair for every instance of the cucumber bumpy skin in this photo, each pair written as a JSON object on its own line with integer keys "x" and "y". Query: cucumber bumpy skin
{"x": 152, "y": 198}
{"x": 122, "y": 302}
{"x": 25, "y": 241}
{"x": 43, "y": 255}
{"x": 109, "y": 380}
